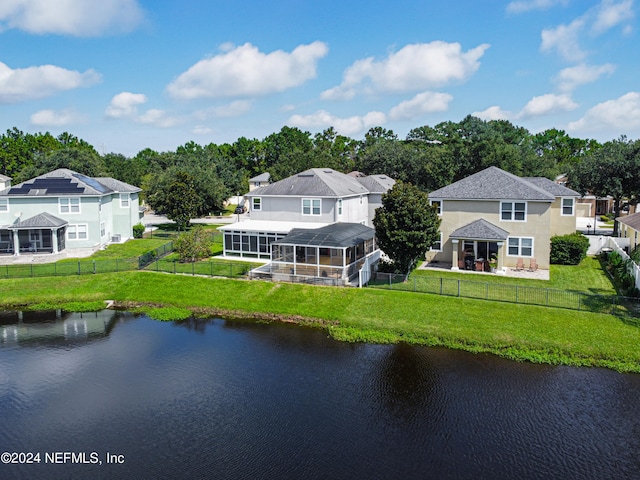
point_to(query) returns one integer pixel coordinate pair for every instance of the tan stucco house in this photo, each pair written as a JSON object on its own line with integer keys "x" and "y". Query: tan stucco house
{"x": 494, "y": 213}
{"x": 630, "y": 228}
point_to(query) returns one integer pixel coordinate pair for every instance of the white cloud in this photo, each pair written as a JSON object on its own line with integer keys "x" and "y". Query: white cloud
{"x": 425, "y": 102}
{"x": 616, "y": 116}
{"x": 570, "y": 78}
{"x": 234, "y": 109}
{"x": 83, "y": 18}
{"x": 202, "y": 130}
{"x": 609, "y": 14}
{"x": 547, "y": 104}
{"x": 564, "y": 39}
{"x": 159, "y": 118}
{"x": 345, "y": 126}
{"x": 245, "y": 71}
{"x": 527, "y": 5}
{"x": 125, "y": 105}
{"x": 493, "y": 113}
{"x": 51, "y": 118}
{"x": 413, "y": 68}
{"x": 39, "y": 82}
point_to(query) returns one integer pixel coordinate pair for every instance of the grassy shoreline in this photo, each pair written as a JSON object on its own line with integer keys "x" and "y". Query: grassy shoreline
{"x": 518, "y": 332}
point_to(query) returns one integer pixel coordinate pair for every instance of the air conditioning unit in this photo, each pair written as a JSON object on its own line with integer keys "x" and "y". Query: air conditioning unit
{"x": 116, "y": 238}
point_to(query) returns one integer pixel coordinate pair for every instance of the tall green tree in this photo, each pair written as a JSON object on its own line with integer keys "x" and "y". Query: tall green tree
{"x": 613, "y": 170}
{"x": 182, "y": 200}
{"x": 406, "y": 225}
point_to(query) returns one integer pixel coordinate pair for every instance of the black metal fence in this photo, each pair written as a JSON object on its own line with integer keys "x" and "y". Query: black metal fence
{"x": 547, "y": 297}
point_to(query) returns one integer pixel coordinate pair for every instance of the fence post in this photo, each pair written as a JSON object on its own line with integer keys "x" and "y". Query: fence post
{"x": 516, "y": 294}
{"x": 78, "y": 267}
{"x": 31, "y": 265}
{"x": 231, "y": 270}
{"x": 414, "y": 284}
{"x": 458, "y": 287}
{"x": 210, "y": 268}
{"x": 579, "y": 302}
{"x": 94, "y": 267}
{"x": 441, "y": 285}
{"x": 55, "y": 269}
{"x": 174, "y": 267}
{"x": 193, "y": 269}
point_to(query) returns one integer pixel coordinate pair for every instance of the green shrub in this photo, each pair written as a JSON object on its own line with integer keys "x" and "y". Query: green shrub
{"x": 568, "y": 249}
{"x": 138, "y": 230}
{"x": 193, "y": 245}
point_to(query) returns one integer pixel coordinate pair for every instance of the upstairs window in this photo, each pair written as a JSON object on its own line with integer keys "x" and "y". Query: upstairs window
{"x": 124, "y": 200}
{"x": 69, "y": 205}
{"x": 513, "y": 211}
{"x": 438, "y": 206}
{"x": 311, "y": 206}
{"x": 339, "y": 206}
{"x": 4, "y": 204}
{"x": 567, "y": 206}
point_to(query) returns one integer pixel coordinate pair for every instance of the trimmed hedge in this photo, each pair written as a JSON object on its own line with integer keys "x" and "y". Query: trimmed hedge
{"x": 569, "y": 249}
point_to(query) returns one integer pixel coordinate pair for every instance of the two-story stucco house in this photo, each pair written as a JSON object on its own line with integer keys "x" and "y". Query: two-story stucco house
{"x": 63, "y": 210}
{"x": 494, "y": 213}
{"x": 315, "y": 226}
{"x": 311, "y": 199}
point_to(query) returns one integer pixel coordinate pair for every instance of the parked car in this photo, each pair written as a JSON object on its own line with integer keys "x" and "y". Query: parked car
{"x": 240, "y": 209}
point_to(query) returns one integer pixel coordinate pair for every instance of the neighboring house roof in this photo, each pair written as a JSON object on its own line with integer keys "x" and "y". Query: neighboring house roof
{"x": 377, "y": 183}
{"x": 552, "y": 187}
{"x": 315, "y": 182}
{"x": 270, "y": 226}
{"x": 67, "y": 182}
{"x": 493, "y": 183}
{"x": 480, "y": 230}
{"x": 263, "y": 177}
{"x": 336, "y": 235}
{"x": 632, "y": 220}
{"x": 42, "y": 220}
{"x": 4, "y": 178}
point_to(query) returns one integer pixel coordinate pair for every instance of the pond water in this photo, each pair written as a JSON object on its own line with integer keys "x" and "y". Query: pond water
{"x": 227, "y": 399}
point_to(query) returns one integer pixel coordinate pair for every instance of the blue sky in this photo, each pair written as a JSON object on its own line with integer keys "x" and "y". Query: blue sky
{"x": 131, "y": 74}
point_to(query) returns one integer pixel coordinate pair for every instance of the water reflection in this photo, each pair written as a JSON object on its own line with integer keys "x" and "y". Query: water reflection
{"x": 55, "y": 327}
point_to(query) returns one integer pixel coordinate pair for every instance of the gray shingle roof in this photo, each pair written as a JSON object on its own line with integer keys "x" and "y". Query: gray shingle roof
{"x": 377, "y": 183}
{"x": 315, "y": 182}
{"x": 480, "y": 230}
{"x": 552, "y": 187}
{"x": 336, "y": 235}
{"x": 42, "y": 220}
{"x": 67, "y": 182}
{"x": 493, "y": 183}
{"x": 263, "y": 177}
{"x": 632, "y": 220}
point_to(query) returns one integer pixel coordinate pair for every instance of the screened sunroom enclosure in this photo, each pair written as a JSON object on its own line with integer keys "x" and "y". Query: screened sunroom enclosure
{"x": 336, "y": 253}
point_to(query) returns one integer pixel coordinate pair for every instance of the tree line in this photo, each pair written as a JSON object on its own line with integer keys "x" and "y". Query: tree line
{"x": 428, "y": 157}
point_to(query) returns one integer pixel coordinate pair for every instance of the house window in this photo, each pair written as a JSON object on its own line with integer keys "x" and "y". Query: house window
{"x": 256, "y": 203}
{"x": 311, "y": 206}
{"x": 438, "y": 206}
{"x": 567, "y": 206}
{"x": 339, "y": 206}
{"x": 437, "y": 245}
{"x": 513, "y": 211}
{"x": 124, "y": 200}
{"x": 77, "y": 232}
{"x": 4, "y": 204}
{"x": 69, "y": 205}
{"x": 520, "y": 247}
{"x": 103, "y": 229}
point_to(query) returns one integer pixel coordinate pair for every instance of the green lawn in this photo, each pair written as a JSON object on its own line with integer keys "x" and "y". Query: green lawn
{"x": 519, "y": 332}
{"x": 588, "y": 277}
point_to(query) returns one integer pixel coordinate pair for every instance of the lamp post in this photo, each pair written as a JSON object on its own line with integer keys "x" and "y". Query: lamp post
{"x": 588, "y": 228}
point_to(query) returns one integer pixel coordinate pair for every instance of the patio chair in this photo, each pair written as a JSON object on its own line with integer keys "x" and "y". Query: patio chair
{"x": 519, "y": 265}
{"x": 533, "y": 265}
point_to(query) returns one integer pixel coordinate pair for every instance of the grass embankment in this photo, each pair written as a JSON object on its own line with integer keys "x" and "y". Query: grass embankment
{"x": 519, "y": 332}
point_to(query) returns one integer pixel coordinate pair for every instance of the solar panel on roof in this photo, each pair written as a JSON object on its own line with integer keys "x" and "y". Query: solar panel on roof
{"x": 92, "y": 182}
